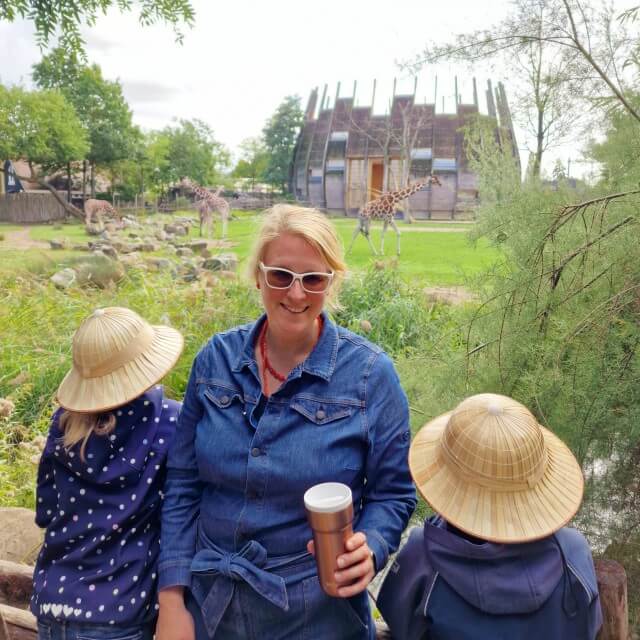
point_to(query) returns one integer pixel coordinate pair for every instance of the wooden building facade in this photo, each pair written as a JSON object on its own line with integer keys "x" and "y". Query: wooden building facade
{"x": 346, "y": 155}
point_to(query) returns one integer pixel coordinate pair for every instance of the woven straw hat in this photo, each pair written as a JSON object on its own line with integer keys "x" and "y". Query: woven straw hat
{"x": 116, "y": 357}
{"x": 492, "y": 471}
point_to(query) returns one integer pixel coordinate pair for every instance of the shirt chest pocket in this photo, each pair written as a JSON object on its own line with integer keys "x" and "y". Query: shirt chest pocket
{"x": 223, "y": 398}
{"x": 330, "y": 438}
{"x": 321, "y": 412}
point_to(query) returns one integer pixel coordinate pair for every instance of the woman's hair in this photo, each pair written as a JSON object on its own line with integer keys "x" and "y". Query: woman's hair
{"x": 311, "y": 225}
{"x": 77, "y": 427}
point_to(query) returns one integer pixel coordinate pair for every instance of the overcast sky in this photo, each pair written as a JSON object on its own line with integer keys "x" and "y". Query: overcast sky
{"x": 243, "y": 57}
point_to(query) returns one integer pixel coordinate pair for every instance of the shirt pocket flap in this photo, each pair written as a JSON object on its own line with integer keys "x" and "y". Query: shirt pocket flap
{"x": 222, "y": 397}
{"x": 321, "y": 412}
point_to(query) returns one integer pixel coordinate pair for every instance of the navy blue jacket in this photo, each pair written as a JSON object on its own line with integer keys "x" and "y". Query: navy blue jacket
{"x": 442, "y": 586}
{"x": 102, "y": 517}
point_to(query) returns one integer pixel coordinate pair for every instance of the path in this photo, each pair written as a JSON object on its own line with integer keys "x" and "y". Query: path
{"x": 21, "y": 239}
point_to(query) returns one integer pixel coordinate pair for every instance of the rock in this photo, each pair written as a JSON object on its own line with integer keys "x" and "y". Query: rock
{"x": 59, "y": 244}
{"x": 148, "y": 246}
{"x": 209, "y": 280}
{"x": 64, "y": 278}
{"x": 176, "y": 229}
{"x": 20, "y": 538}
{"x": 94, "y": 228}
{"x": 448, "y": 295}
{"x": 161, "y": 235}
{"x": 111, "y": 227}
{"x": 128, "y": 222}
{"x": 184, "y": 252}
{"x": 222, "y": 262}
{"x": 101, "y": 271}
{"x": 198, "y": 246}
{"x": 6, "y": 408}
{"x": 227, "y": 275}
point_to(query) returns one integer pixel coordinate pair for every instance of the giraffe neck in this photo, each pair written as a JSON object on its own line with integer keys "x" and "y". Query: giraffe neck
{"x": 401, "y": 194}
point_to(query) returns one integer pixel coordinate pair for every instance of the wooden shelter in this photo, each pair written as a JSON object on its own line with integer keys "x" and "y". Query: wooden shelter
{"x": 346, "y": 154}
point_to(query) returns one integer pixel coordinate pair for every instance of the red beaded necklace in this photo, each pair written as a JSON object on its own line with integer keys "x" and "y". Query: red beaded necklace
{"x": 266, "y": 365}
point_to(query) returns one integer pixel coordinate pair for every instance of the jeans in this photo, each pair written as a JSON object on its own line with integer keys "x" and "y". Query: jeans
{"x": 53, "y": 630}
{"x": 312, "y": 615}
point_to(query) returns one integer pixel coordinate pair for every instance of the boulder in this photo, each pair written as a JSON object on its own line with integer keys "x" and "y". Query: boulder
{"x": 222, "y": 262}
{"x": 20, "y": 538}
{"x": 99, "y": 271}
{"x": 198, "y": 246}
{"x": 184, "y": 252}
{"x": 59, "y": 244}
{"x": 94, "y": 228}
{"x": 161, "y": 235}
{"x": 64, "y": 279}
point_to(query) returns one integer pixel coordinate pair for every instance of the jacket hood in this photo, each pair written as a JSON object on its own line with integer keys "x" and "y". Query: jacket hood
{"x": 495, "y": 578}
{"x": 129, "y": 444}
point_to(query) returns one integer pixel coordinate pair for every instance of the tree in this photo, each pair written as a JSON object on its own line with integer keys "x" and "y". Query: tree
{"x": 194, "y": 152}
{"x": 561, "y": 51}
{"x": 65, "y": 17}
{"x": 280, "y": 136}
{"x": 42, "y": 128}
{"x": 253, "y": 162}
{"x": 99, "y": 103}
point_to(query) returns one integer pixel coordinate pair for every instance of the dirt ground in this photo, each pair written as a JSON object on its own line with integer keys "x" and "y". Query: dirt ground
{"x": 20, "y": 240}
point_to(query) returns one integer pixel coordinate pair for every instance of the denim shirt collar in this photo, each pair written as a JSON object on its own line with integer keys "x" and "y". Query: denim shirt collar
{"x": 320, "y": 362}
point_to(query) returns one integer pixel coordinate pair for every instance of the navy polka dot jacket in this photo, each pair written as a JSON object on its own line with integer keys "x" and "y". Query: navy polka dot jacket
{"x": 102, "y": 517}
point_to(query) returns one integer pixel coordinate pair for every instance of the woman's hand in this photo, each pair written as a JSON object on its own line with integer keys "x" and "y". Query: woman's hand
{"x": 174, "y": 621}
{"x": 356, "y": 568}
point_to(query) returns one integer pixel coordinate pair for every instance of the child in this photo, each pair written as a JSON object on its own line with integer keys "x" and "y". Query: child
{"x": 100, "y": 479}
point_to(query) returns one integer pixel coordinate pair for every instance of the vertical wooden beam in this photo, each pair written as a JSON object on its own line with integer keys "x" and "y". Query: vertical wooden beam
{"x": 373, "y": 95}
{"x": 324, "y": 95}
{"x": 612, "y": 586}
{"x": 475, "y": 94}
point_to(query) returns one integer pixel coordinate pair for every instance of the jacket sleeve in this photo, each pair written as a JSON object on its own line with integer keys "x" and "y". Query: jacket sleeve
{"x": 389, "y": 495}
{"x": 182, "y": 493}
{"x": 46, "y": 493}
{"x": 404, "y": 592}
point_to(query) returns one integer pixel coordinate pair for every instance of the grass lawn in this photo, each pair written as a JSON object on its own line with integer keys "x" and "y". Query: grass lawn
{"x": 440, "y": 257}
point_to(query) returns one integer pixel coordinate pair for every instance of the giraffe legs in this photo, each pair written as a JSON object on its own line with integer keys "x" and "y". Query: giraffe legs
{"x": 362, "y": 227}
{"x": 394, "y": 226}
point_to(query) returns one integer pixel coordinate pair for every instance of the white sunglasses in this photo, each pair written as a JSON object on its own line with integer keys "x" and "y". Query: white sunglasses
{"x": 311, "y": 282}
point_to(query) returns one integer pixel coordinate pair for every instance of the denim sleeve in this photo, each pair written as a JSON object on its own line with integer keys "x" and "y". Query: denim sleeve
{"x": 389, "y": 495}
{"x": 46, "y": 494}
{"x": 182, "y": 494}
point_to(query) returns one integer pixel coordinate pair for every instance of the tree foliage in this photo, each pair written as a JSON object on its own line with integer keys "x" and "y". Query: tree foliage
{"x": 280, "y": 137}
{"x": 66, "y": 17}
{"x": 99, "y": 104}
{"x": 566, "y": 54}
{"x": 253, "y": 162}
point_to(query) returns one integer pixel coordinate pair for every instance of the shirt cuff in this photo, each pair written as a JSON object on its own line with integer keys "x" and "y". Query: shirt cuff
{"x": 174, "y": 574}
{"x": 378, "y": 546}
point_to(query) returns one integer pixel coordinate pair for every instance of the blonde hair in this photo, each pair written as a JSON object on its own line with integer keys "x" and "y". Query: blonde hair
{"x": 77, "y": 427}
{"x": 311, "y": 225}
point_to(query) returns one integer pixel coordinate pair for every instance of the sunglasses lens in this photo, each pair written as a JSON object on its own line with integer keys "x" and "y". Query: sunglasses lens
{"x": 278, "y": 278}
{"x": 315, "y": 282}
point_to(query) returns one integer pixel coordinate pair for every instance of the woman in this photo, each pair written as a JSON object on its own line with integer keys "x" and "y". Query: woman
{"x": 271, "y": 409}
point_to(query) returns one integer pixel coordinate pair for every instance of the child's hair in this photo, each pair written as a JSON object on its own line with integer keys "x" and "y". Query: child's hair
{"x": 77, "y": 427}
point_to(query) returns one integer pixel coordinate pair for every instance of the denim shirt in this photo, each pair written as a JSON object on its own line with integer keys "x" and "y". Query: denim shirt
{"x": 241, "y": 462}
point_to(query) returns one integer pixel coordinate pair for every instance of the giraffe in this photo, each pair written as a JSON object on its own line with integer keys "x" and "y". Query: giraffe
{"x": 95, "y": 209}
{"x": 215, "y": 202}
{"x": 384, "y": 207}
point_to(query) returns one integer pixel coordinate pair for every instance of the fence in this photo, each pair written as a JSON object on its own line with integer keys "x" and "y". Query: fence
{"x": 30, "y": 207}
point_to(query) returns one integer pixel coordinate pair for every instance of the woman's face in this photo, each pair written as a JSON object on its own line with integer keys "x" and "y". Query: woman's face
{"x": 292, "y": 311}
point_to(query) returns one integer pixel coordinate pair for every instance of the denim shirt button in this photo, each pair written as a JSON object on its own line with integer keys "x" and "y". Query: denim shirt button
{"x": 320, "y": 414}
{"x": 255, "y": 452}
{"x": 224, "y": 399}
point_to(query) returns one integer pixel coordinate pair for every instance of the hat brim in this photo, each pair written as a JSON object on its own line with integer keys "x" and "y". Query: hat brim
{"x": 90, "y": 395}
{"x": 497, "y": 516}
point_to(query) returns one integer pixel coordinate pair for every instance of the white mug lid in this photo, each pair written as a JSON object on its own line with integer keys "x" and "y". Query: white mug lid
{"x": 328, "y": 497}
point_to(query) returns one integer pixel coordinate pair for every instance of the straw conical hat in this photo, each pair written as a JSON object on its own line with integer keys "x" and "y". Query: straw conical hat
{"x": 116, "y": 356}
{"x": 491, "y": 470}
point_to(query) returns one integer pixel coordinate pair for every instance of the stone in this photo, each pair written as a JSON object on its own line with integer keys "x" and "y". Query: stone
{"x": 161, "y": 235}
{"x": 6, "y": 408}
{"x": 94, "y": 228}
{"x": 111, "y": 227}
{"x": 59, "y": 244}
{"x": 176, "y": 229}
{"x": 20, "y": 537}
{"x": 184, "y": 252}
{"x": 160, "y": 264}
{"x": 365, "y": 325}
{"x": 64, "y": 279}
{"x": 148, "y": 246}
{"x": 100, "y": 271}
{"x": 222, "y": 262}
{"x": 198, "y": 246}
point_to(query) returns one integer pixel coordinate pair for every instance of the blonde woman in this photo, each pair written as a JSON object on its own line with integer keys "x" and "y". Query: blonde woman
{"x": 100, "y": 480}
{"x": 272, "y": 408}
